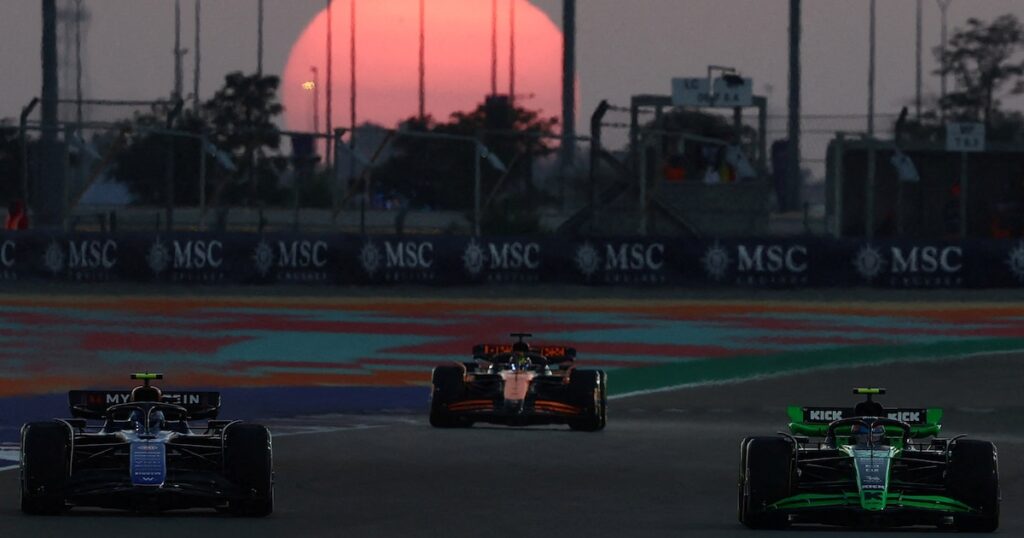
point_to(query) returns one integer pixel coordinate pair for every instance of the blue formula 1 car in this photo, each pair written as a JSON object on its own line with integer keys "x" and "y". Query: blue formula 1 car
{"x": 138, "y": 450}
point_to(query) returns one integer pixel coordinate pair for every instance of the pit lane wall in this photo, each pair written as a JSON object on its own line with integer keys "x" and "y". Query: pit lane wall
{"x": 196, "y": 258}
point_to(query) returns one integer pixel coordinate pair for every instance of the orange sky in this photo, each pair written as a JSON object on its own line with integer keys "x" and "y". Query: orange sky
{"x": 458, "y": 60}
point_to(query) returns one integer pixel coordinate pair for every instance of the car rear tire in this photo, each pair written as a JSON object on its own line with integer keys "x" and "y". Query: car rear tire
{"x": 249, "y": 464}
{"x": 766, "y": 478}
{"x": 45, "y": 450}
{"x": 742, "y": 473}
{"x": 589, "y": 389}
{"x": 448, "y": 385}
{"x": 974, "y": 481}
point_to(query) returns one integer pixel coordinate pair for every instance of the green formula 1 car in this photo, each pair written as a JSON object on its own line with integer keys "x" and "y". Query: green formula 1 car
{"x": 868, "y": 466}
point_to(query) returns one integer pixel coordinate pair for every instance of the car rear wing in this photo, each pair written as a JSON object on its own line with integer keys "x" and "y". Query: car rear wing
{"x": 94, "y": 403}
{"x": 554, "y": 354}
{"x": 814, "y": 421}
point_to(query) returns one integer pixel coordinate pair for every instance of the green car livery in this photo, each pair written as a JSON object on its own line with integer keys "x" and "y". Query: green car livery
{"x": 868, "y": 466}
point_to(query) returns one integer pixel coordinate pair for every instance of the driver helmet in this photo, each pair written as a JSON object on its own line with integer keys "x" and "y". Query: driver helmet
{"x": 520, "y": 359}
{"x": 867, "y": 435}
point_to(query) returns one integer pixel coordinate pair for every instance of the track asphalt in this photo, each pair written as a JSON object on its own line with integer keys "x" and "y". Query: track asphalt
{"x": 665, "y": 466}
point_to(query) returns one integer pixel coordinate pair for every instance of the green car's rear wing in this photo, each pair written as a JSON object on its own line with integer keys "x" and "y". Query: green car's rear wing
{"x": 814, "y": 421}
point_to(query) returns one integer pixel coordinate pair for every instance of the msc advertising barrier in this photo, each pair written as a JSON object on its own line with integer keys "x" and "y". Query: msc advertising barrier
{"x": 239, "y": 258}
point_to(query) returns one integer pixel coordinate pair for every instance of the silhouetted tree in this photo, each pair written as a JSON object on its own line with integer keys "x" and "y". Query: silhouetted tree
{"x": 238, "y": 120}
{"x": 984, "y": 60}
{"x": 436, "y": 173}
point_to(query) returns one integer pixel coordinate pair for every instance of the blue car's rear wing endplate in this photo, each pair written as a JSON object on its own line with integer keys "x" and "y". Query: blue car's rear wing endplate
{"x": 94, "y": 403}
{"x": 814, "y": 421}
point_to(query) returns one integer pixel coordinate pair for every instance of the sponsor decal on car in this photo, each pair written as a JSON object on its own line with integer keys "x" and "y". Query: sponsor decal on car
{"x": 824, "y": 415}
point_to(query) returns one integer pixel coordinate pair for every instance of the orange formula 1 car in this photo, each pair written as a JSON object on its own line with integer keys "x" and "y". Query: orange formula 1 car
{"x": 519, "y": 385}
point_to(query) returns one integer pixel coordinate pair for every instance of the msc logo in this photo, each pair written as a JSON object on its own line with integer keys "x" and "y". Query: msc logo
{"x": 771, "y": 258}
{"x": 405, "y": 256}
{"x": 500, "y": 257}
{"x": 634, "y": 257}
{"x": 916, "y": 266}
{"x": 409, "y": 254}
{"x": 88, "y": 254}
{"x": 198, "y": 254}
{"x": 822, "y": 415}
{"x": 92, "y": 254}
{"x": 927, "y": 259}
{"x": 302, "y": 254}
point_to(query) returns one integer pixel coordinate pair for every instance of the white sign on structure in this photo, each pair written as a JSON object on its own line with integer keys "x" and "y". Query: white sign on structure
{"x": 965, "y": 137}
{"x": 728, "y": 93}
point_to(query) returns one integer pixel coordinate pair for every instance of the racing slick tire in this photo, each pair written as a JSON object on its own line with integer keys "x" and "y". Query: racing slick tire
{"x": 590, "y": 389}
{"x": 742, "y": 473}
{"x": 249, "y": 464}
{"x": 448, "y": 384}
{"x": 45, "y": 452}
{"x": 974, "y": 481}
{"x": 766, "y": 477}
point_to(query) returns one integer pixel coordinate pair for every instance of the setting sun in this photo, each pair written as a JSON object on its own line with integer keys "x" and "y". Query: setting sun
{"x": 458, "y": 60}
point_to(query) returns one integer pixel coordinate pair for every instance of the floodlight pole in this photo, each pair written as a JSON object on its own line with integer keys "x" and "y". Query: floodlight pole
{"x": 422, "y": 61}
{"x": 23, "y": 143}
{"x": 963, "y": 194}
{"x": 568, "y": 143}
{"x": 197, "y": 58}
{"x": 793, "y": 126}
{"x": 871, "y": 73}
{"x": 476, "y": 188}
{"x": 329, "y": 121}
{"x": 944, "y": 8}
{"x": 917, "y": 98}
{"x": 203, "y": 141}
{"x": 259, "y": 38}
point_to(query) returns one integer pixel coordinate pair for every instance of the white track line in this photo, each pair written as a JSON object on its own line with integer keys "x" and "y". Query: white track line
{"x": 329, "y": 429}
{"x": 804, "y": 370}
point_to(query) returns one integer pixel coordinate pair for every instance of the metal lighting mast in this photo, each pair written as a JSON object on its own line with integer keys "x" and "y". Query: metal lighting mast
{"x": 196, "y": 59}
{"x": 917, "y": 99}
{"x": 494, "y": 47}
{"x": 944, "y": 8}
{"x": 178, "y": 52}
{"x": 568, "y": 83}
{"x": 49, "y": 189}
{"x": 423, "y": 63}
{"x": 871, "y": 73}
{"x": 259, "y": 38}
{"x": 330, "y": 82}
{"x": 512, "y": 52}
{"x": 793, "y": 127}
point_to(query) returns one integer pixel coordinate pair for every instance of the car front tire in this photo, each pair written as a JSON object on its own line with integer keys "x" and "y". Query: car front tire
{"x": 45, "y": 452}
{"x": 249, "y": 464}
